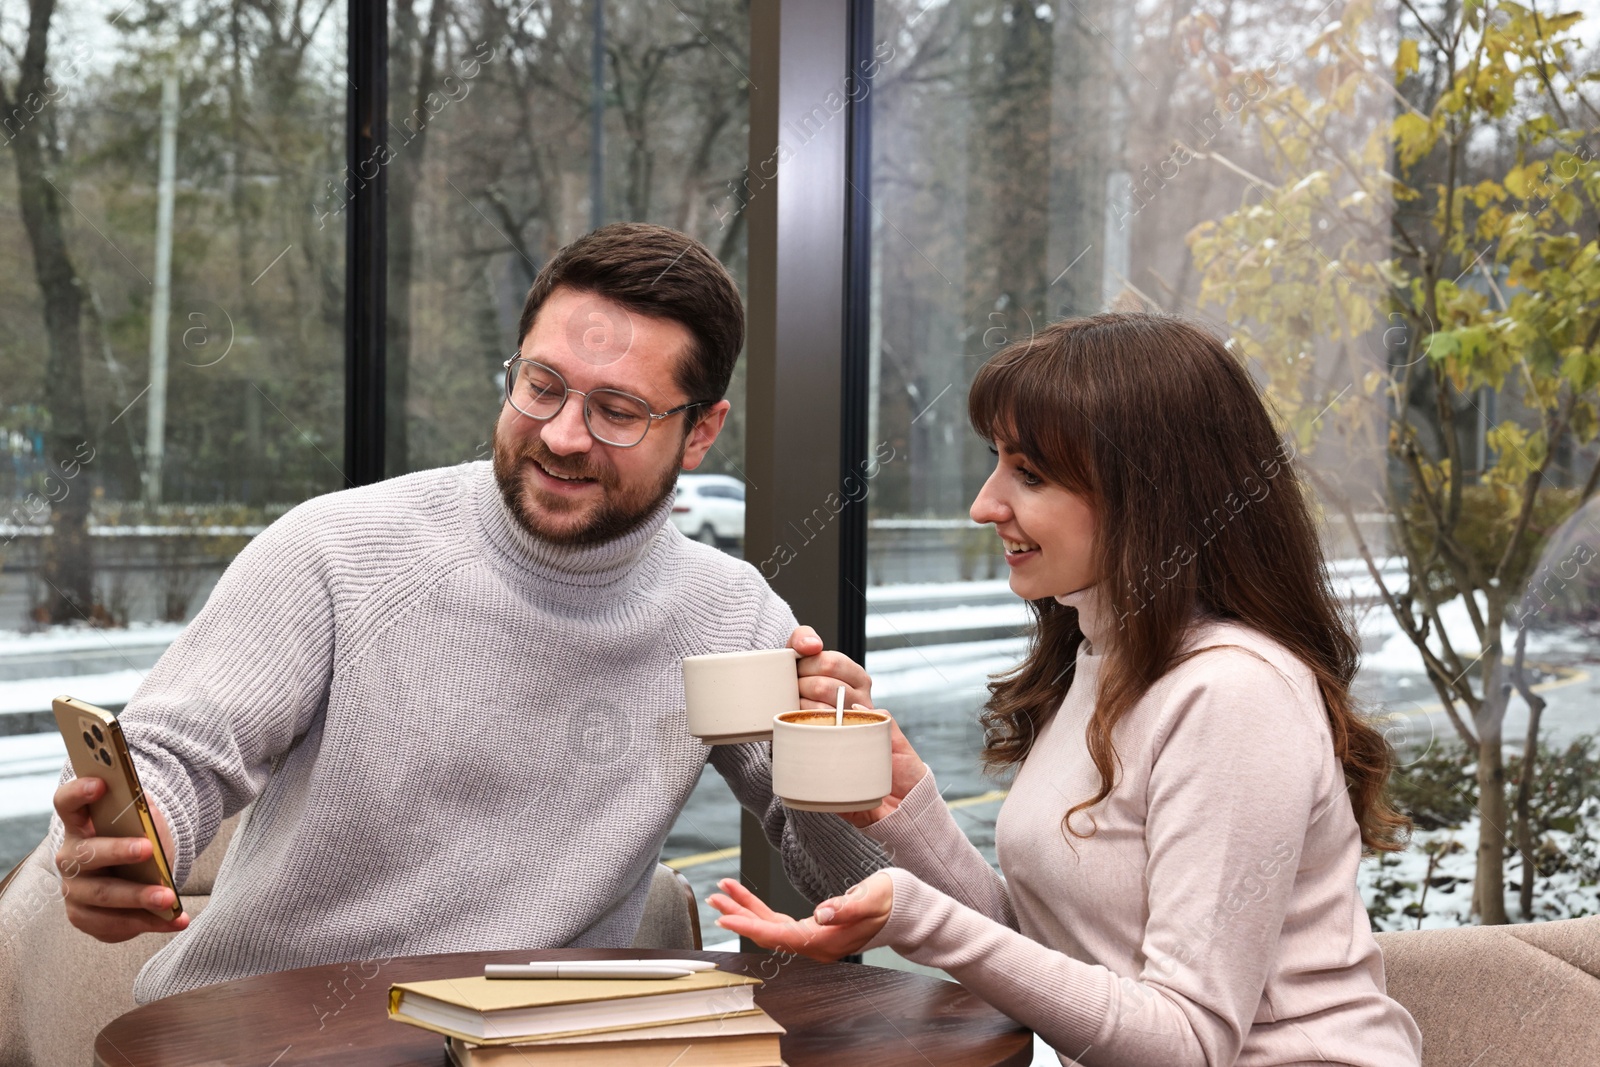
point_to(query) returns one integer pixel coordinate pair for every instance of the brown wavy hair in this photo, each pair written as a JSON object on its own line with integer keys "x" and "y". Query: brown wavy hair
{"x": 1198, "y": 507}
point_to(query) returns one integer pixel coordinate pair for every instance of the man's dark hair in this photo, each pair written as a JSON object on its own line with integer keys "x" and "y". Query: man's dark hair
{"x": 659, "y": 272}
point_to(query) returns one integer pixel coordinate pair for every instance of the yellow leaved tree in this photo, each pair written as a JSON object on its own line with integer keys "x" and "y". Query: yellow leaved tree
{"x": 1415, "y": 270}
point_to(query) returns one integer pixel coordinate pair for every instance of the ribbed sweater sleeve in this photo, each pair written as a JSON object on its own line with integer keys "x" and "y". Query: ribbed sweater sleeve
{"x": 244, "y": 681}
{"x": 1230, "y": 795}
{"x": 921, "y": 836}
{"x": 822, "y": 854}
{"x": 1064, "y": 1001}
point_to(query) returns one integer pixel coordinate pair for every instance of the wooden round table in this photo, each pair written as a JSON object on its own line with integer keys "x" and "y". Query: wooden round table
{"x": 837, "y": 1014}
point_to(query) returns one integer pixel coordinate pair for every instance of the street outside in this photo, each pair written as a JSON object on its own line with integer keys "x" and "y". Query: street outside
{"x": 934, "y": 688}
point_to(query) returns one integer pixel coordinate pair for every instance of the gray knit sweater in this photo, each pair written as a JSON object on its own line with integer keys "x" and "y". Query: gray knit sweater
{"x": 451, "y": 735}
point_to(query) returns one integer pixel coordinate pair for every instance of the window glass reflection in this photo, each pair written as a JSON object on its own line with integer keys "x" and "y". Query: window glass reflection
{"x": 173, "y": 355}
{"x": 1276, "y": 172}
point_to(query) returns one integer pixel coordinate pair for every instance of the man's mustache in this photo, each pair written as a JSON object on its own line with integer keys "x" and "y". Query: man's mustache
{"x": 536, "y": 452}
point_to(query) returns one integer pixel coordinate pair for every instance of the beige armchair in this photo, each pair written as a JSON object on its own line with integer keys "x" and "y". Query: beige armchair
{"x": 671, "y": 919}
{"x": 59, "y": 986}
{"x": 1501, "y": 996}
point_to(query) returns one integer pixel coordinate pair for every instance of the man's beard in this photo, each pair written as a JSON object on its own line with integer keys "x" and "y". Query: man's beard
{"x": 618, "y": 513}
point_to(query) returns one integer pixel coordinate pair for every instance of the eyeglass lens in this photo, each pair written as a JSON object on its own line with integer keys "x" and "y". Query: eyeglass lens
{"x": 613, "y": 417}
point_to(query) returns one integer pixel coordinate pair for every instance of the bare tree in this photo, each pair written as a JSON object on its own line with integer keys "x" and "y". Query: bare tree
{"x": 414, "y": 75}
{"x": 67, "y": 564}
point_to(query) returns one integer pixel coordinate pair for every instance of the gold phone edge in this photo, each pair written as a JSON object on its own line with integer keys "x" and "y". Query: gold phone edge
{"x": 158, "y": 853}
{"x": 146, "y": 820}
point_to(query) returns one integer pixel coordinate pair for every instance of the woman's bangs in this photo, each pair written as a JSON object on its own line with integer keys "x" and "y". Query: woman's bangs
{"x": 1017, "y": 400}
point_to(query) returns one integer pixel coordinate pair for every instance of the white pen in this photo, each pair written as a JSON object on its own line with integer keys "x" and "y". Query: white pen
{"x": 580, "y": 970}
{"x": 682, "y": 965}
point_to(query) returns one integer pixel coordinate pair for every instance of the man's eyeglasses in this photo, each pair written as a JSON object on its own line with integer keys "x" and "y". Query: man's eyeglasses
{"x": 612, "y": 416}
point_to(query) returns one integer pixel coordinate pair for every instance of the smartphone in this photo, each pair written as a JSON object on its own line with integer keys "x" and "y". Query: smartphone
{"x": 97, "y": 750}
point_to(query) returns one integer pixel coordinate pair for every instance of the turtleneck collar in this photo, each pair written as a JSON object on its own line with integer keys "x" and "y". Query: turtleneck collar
{"x": 589, "y": 568}
{"x": 1098, "y": 619}
{"x": 1094, "y": 615}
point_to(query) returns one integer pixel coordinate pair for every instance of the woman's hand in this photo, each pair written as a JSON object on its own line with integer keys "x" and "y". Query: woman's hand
{"x": 908, "y": 770}
{"x": 839, "y": 927}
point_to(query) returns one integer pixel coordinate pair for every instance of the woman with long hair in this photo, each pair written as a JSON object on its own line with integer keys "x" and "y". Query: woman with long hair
{"x": 1193, "y": 785}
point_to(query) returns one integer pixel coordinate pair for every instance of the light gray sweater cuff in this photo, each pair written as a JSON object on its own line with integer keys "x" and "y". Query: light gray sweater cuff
{"x": 181, "y": 858}
{"x": 822, "y": 854}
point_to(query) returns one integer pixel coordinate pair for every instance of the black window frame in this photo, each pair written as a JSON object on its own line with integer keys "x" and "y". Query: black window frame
{"x": 841, "y": 55}
{"x": 828, "y": 590}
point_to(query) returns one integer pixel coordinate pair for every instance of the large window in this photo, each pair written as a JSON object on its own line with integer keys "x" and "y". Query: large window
{"x": 1398, "y": 260}
{"x": 173, "y": 351}
{"x": 514, "y": 128}
{"x": 173, "y": 357}
{"x": 1237, "y": 164}
{"x": 175, "y": 192}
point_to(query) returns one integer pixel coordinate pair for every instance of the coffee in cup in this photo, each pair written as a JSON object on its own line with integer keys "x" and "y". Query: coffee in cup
{"x": 731, "y": 697}
{"x": 831, "y": 718}
{"x": 819, "y": 765}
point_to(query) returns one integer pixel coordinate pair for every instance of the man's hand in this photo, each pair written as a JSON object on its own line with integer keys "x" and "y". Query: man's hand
{"x": 823, "y": 672}
{"x": 837, "y": 928}
{"x": 100, "y": 904}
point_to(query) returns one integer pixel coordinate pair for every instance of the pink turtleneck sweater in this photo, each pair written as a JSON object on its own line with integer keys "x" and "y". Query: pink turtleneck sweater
{"x": 1212, "y": 919}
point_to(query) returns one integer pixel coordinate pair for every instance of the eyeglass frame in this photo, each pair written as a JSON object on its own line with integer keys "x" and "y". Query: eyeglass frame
{"x": 517, "y": 357}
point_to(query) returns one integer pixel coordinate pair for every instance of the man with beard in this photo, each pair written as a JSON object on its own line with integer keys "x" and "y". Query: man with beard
{"x": 453, "y": 700}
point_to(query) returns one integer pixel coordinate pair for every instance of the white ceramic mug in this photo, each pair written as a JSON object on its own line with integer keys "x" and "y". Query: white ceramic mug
{"x": 817, "y": 766}
{"x": 731, "y": 697}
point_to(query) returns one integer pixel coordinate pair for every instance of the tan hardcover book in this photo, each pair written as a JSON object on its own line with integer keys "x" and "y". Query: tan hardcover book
{"x": 501, "y": 1011}
{"x": 737, "y": 1041}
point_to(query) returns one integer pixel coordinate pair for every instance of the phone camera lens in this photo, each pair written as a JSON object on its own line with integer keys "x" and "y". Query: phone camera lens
{"x": 105, "y": 756}
{"x": 98, "y": 736}
{"x": 87, "y": 739}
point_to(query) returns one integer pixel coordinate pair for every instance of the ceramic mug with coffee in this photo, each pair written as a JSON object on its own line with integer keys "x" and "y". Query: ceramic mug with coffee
{"x": 820, "y": 765}
{"x": 731, "y": 697}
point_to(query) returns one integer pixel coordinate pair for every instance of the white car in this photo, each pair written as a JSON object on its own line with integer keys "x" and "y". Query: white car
{"x": 710, "y": 508}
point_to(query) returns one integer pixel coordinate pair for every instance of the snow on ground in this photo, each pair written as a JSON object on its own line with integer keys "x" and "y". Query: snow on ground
{"x": 1448, "y": 900}
{"x": 892, "y": 623}
{"x": 1396, "y": 652}
{"x": 899, "y": 672}
{"x": 30, "y": 767}
{"x": 113, "y": 689}
{"x": 911, "y": 591}
{"x": 87, "y": 639}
